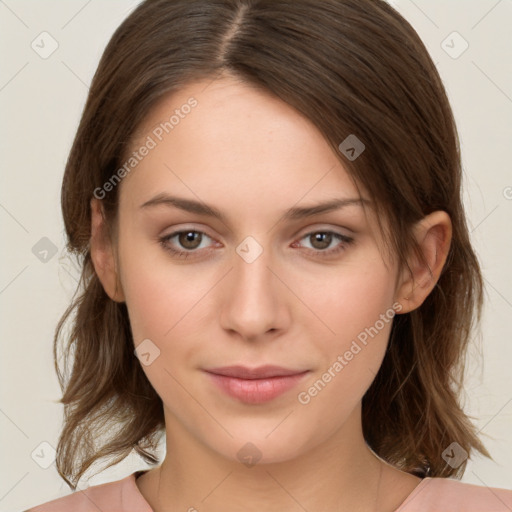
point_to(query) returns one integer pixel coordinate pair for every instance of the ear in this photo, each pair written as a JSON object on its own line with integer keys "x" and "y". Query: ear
{"x": 433, "y": 234}
{"x": 102, "y": 253}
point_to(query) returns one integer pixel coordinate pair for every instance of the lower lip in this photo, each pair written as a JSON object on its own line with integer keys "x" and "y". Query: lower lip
{"x": 256, "y": 391}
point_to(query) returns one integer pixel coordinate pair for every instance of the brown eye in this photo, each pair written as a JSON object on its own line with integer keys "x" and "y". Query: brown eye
{"x": 186, "y": 243}
{"x": 190, "y": 239}
{"x": 325, "y": 243}
{"x": 320, "y": 240}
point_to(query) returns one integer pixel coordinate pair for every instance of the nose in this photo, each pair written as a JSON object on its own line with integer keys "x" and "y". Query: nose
{"x": 255, "y": 300}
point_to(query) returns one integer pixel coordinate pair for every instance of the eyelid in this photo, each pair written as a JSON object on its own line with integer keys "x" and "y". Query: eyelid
{"x": 175, "y": 231}
{"x": 322, "y": 227}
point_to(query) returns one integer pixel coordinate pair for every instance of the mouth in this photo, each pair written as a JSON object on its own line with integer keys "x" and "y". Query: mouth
{"x": 255, "y": 385}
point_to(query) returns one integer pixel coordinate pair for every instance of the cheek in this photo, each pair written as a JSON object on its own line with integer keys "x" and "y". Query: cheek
{"x": 350, "y": 299}
{"x": 162, "y": 308}
{"x": 350, "y": 366}
{"x": 166, "y": 305}
{"x": 356, "y": 306}
{"x": 160, "y": 296}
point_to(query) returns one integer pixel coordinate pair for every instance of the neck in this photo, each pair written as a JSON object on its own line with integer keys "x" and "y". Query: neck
{"x": 340, "y": 474}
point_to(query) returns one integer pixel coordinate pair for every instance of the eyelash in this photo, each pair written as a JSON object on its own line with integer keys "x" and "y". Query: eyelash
{"x": 322, "y": 253}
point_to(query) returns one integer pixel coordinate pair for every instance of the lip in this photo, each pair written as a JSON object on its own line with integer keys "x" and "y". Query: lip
{"x": 261, "y": 372}
{"x": 255, "y": 385}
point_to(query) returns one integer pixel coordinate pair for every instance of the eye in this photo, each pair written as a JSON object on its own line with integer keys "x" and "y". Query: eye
{"x": 189, "y": 239}
{"x": 321, "y": 240}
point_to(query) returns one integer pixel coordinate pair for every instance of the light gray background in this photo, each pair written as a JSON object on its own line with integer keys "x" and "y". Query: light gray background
{"x": 41, "y": 101}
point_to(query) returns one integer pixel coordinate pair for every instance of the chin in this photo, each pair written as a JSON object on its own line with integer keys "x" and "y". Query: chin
{"x": 265, "y": 445}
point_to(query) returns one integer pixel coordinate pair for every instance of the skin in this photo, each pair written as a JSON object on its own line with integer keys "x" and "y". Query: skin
{"x": 252, "y": 156}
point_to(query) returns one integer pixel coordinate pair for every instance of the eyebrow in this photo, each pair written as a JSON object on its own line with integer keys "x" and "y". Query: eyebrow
{"x": 295, "y": 213}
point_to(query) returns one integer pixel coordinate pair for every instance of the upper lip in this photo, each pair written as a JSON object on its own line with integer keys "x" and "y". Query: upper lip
{"x": 261, "y": 372}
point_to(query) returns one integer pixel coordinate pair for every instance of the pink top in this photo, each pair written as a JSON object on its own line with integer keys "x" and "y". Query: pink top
{"x": 430, "y": 495}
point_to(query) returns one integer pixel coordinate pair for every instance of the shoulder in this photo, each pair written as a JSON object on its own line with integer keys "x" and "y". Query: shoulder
{"x": 446, "y": 494}
{"x": 119, "y": 496}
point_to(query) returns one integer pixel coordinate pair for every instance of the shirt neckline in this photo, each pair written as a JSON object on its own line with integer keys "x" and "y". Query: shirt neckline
{"x": 401, "y": 507}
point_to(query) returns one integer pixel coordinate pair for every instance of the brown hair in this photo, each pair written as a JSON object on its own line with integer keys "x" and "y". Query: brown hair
{"x": 351, "y": 67}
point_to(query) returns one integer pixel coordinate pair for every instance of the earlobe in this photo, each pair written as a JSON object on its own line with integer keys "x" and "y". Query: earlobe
{"x": 433, "y": 234}
{"x": 102, "y": 253}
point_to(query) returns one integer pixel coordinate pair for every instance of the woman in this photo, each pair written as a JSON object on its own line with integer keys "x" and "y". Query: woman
{"x": 277, "y": 272}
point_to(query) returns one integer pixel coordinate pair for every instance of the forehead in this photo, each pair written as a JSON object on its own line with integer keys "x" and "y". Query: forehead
{"x": 228, "y": 136}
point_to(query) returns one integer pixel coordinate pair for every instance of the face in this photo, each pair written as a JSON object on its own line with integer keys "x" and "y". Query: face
{"x": 260, "y": 285}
